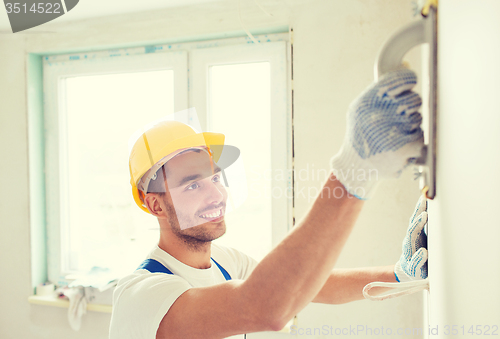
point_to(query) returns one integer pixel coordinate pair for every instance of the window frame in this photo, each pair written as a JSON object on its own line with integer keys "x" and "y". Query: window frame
{"x": 200, "y": 62}
{"x": 55, "y": 73}
{"x": 58, "y": 67}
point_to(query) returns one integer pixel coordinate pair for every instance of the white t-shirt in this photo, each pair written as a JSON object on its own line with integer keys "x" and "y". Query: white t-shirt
{"x": 141, "y": 299}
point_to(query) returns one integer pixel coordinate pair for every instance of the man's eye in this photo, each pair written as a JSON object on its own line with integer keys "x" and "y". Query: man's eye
{"x": 193, "y": 186}
{"x": 216, "y": 178}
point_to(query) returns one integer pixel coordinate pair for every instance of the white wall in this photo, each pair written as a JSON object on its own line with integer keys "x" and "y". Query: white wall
{"x": 463, "y": 236}
{"x": 335, "y": 44}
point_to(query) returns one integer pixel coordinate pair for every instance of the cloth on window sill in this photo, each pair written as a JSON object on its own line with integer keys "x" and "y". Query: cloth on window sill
{"x": 77, "y": 306}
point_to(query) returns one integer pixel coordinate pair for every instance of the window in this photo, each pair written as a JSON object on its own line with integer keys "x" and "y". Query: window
{"x": 94, "y": 102}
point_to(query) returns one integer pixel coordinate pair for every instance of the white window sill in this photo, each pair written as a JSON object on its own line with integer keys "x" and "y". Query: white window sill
{"x": 58, "y": 302}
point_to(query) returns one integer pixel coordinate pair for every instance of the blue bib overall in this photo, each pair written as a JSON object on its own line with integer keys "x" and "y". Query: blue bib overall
{"x": 155, "y": 266}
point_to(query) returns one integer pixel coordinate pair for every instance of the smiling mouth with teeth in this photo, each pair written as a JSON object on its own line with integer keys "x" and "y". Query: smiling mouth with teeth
{"x": 212, "y": 216}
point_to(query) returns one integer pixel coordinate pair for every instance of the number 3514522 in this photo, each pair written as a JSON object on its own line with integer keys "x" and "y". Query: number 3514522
{"x": 41, "y": 7}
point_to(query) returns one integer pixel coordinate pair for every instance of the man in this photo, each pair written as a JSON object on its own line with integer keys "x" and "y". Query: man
{"x": 191, "y": 288}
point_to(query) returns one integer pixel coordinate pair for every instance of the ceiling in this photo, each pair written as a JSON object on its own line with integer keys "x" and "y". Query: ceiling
{"x": 86, "y": 9}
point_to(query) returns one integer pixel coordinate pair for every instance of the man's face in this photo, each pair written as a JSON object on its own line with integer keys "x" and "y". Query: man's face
{"x": 197, "y": 195}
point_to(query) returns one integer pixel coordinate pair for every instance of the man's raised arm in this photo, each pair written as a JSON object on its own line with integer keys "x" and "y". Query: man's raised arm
{"x": 383, "y": 135}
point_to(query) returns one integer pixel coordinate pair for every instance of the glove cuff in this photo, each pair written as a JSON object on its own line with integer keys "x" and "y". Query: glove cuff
{"x": 401, "y": 276}
{"x": 357, "y": 175}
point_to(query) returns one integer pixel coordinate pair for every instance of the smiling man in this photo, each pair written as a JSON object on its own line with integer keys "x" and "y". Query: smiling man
{"x": 189, "y": 287}
{"x": 194, "y": 187}
{"x": 192, "y": 195}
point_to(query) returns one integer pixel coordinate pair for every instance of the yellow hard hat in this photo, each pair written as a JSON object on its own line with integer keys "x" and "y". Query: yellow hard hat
{"x": 159, "y": 144}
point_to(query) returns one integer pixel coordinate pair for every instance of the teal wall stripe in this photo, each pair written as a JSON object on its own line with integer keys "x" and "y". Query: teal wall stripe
{"x": 36, "y": 144}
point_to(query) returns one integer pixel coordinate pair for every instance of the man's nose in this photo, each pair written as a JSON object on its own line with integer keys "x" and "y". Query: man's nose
{"x": 216, "y": 193}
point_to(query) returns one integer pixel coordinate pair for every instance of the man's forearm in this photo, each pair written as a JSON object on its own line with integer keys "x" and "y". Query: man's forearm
{"x": 346, "y": 285}
{"x": 294, "y": 272}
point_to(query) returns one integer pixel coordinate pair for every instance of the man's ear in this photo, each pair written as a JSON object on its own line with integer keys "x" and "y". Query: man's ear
{"x": 155, "y": 205}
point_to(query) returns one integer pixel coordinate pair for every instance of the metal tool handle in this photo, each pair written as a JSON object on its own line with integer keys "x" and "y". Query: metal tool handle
{"x": 390, "y": 58}
{"x": 391, "y": 55}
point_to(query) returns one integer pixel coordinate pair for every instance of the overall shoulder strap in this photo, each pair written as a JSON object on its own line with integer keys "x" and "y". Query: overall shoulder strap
{"x": 154, "y": 266}
{"x": 224, "y": 272}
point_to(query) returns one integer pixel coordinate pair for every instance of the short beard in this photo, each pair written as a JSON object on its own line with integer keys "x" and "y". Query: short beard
{"x": 195, "y": 238}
